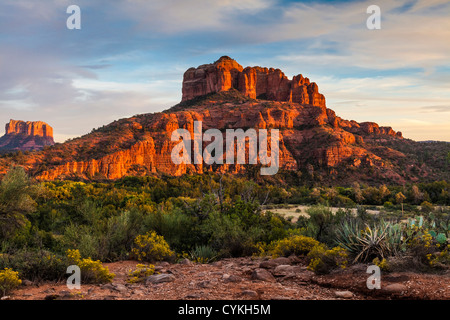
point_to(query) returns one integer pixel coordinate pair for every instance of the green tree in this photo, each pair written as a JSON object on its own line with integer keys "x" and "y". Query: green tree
{"x": 17, "y": 194}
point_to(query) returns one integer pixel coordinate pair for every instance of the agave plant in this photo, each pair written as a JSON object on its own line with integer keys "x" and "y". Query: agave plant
{"x": 203, "y": 254}
{"x": 380, "y": 240}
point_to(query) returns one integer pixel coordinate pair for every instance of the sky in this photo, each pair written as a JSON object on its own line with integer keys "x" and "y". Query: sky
{"x": 129, "y": 57}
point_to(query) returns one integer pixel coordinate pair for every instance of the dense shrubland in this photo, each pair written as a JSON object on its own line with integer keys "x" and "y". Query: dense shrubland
{"x": 45, "y": 226}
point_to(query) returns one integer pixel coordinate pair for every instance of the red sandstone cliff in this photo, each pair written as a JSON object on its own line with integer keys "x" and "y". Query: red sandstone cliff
{"x": 26, "y": 136}
{"x": 253, "y": 82}
{"x": 310, "y": 133}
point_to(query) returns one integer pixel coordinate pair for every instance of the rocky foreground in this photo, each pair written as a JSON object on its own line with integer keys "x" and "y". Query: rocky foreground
{"x": 244, "y": 279}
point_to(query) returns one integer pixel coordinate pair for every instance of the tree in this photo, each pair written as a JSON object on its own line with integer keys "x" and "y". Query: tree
{"x": 17, "y": 195}
{"x": 399, "y": 198}
{"x": 417, "y": 196}
{"x": 359, "y": 198}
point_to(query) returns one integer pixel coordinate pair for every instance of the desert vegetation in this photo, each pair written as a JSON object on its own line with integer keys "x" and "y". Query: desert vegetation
{"x": 44, "y": 227}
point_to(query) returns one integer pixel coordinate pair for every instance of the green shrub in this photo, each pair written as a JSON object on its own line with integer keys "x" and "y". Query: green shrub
{"x": 9, "y": 280}
{"x": 36, "y": 265}
{"x": 297, "y": 244}
{"x": 141, "y": 272}
{"x": 91, "y": 271}
{"x": 323, "y": 260}
{"x": 426, "y": 207}
{"x": 151, "y": 247}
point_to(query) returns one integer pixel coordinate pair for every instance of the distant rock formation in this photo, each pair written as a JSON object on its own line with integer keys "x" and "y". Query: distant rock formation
{"x": 26, "y": 136}
{"x": 253, "y": 82}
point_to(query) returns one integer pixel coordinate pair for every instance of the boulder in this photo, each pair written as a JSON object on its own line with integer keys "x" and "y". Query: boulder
{"x": 160, "y": 278}
{"x": 262, "y": 275}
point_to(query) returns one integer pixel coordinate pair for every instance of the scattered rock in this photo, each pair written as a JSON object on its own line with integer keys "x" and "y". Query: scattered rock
{"x": 204, "y": 284}
{"x": 263, "y": 275}
{"x": 230, "y": 278}
{"x": 282, "y": 260}
{"x": 284, "y": 269}
{"x": 304, "y": 276}
{"x": 52, "y": 297}
{"x": 160, "y": 278}
{"x": 280, "y": 298}
{"x": 249, "y": 293}
{"x": 217, "y": 264}
{"x": 164, "y": 264}
{"x": 120, "y": 287}
{"x": 268, "y": 264}
{"x": 5, "y": 298}
{"x": 27, "y": 283}
{"x": 228, "y": 266}
{"x": 107, "y": 286}
{"x": 395, "y": 288}
{"x": 294, "y": 259}
{"x": 137, "y": 292}
{"x": 160, "y": 269}
{"x": 344, "y": 294}
{"x": 192, "y": 296}
{"x": 185, "y": 261}
{"x": 65, "y": 294}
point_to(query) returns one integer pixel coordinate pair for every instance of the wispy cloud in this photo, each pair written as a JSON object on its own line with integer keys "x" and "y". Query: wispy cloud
{"x": 130, "y": 55}
{"x": 433, "y": 109}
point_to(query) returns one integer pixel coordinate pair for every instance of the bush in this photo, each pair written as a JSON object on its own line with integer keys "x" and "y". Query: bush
{"x": 383, "y": 264}
{"x": 9, "y": 280}
{"x": 36, "y": 265}
{"x": 203, "y": 254}
{"x": 151, "y": 247}
{"x": 141, "y": 272}
{"x": 426, "y": 207}
{"x": 91, "y": 271}
{"x": 323, "y": 260}
{"x": 297, "y": 244}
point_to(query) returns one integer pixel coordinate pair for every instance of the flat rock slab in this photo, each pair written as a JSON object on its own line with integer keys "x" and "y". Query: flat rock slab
{"x": 395, "y": 288}
{"x": 344, "y": 294}
{"x": 263, "y": 275}
{"x": 284, "y": 269}
{"x": 160, "y": 278}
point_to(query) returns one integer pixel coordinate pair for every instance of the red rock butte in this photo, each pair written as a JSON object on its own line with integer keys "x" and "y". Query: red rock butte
{"x": 29, "y": 128}
{"x": 253, "y": 82}
{"x": 26, "y": 136}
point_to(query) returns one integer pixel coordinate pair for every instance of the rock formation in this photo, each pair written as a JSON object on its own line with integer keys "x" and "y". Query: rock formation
{"x": 252, "y": 82}
{"x": 228, "y": 97}
{"x": 308, "y": 134}
{"x": 26, "y": 136}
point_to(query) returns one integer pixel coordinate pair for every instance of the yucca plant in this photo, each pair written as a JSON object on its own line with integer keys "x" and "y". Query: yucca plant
{"x": 368, "y": 242}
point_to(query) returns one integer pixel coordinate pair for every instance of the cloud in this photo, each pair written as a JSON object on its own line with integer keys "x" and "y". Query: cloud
{"x": 130, "y": 55}
{"x": 433, "y": 109}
